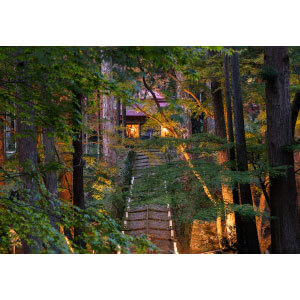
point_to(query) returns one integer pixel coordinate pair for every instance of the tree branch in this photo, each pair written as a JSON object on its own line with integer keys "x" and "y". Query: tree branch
{"x": 148, "y": 115}
{"x": 155, "y": 100}
{"x": 193, "y": 95}
{"x": 8, "y": 124}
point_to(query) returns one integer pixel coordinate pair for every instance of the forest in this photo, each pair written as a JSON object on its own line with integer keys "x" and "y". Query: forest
{"x": 149, "y": 150}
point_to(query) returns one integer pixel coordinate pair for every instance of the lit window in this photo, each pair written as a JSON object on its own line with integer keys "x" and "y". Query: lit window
{"x": 133, "y": 130}
{"x": 165, "y": 132}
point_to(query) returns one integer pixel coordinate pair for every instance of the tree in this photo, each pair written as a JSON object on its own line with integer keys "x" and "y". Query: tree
{"x": 78, "y": 162}
{"x": 123, "y": 121}
{"x": 2, "y": 149}
{"x": 235, "y": 193}
{"x": 223, "y": 157}
{"x": 28, "y": 163}
{"x": 249, "y": 226}
{"x": 283, "y": 194}
{"x": 108, "y": 116}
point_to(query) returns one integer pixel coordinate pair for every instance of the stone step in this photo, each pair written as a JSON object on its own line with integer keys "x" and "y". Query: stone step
{"x": 166, "y": 246}
{"x": 152, "y": 224}
{"x": 159, "y": 233}
{"x": 149, "y": 155}
{"x": 154, "y": 215}
{"x": 153, "y": 233}
{"x": 149, "y": 150}
{"x": 143, "y": 165}
{"x": 152, "y": 207}
{"x": 141, "y": 159}
{"x": 141, "y": 168}
{"x": 150, "y": 161}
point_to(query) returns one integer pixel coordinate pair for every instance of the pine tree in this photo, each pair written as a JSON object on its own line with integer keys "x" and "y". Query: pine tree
{"x": 283, "y": 194}
{"x": 249, "y": 225}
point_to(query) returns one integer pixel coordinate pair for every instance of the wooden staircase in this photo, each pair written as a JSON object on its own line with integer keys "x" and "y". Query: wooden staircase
{"x": 147, "y": 159}
{"x": 155, "y": 222}
{"x": 152, "y": 220}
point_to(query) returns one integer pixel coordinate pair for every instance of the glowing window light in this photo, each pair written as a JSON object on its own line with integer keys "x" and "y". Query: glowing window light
{"x": 132, "y": 130}
{"x": 164, "y": 131}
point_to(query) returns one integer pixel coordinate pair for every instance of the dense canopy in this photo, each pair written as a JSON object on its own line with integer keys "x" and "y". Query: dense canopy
{"x": 118, "y": 149}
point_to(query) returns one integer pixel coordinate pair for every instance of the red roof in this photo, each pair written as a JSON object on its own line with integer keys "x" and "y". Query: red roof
{"x": 132, "y": 113}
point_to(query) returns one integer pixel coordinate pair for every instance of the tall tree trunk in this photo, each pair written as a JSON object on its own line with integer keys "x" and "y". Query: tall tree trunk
{"x": 263, "y": 206}
{"x": 86, "y": 121}
{"x": 51, "y": 177}
{"x": 27, "y": 154}
{"x": 220, "y": 130}
{"x": 67, "y": 178}
{"x": 78, "y": 163}
{"x": 49, "y": 153}
{"x": 108, "y": 118}
{"x": 249, "y": 224}
{"x": 28, "y": 163}
{"x": 123, "y": 121}
{"x": 3, "y": 232}
{"x": 2, "y": 151}
{"x": 99, "y": 110}
{"x": 235, "y": 193}
{"x": 283, "y": 193}
{"x": 118, "y": 115}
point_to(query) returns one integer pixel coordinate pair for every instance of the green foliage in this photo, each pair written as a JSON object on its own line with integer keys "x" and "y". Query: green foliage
{"x": 37, "y": 224}
{"x": 174, "y": 183}
{"x": 40, "y": 86}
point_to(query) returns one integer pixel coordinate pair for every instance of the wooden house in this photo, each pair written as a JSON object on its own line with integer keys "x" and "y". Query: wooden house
{"x": 135, "y": 119}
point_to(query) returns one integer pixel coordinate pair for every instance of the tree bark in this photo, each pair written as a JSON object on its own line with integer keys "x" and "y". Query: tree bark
{"x": 235, "y": 193}
{"x": 49, "y": 153}
{"x": 51, "y": 177}
{"x": 86, "y": 121}
{"x": 123, "y": 121}
{"x": 78, "y": 163}
{"x": 249, "y": 224}
{"x": 28, "y": 162}
{"x": 223, "y": 157}
{"x": 108, "y": 118}
{"x": 118, "y": 115}
{"x": 99, "y": 137}
{"x": 27, "y": 154}
{"x": 67, "y": 178}
{"x": 283, "y": 193}
{"x": 2, "y": 151}
{"x": 263, "y": 206}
